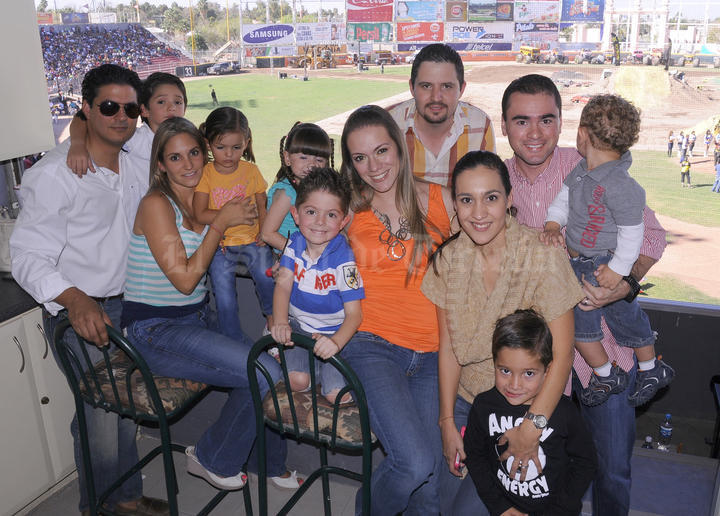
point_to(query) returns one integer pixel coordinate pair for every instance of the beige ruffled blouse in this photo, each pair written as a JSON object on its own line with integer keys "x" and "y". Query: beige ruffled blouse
{"x": 533, "y": 275}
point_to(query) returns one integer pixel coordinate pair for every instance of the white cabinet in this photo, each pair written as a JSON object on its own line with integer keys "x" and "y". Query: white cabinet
{"x": 57, "y": 405}
{"x": 37, "y": 406}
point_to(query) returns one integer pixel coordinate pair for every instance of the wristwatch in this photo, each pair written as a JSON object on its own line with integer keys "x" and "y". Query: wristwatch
{"x": 634, "y": 288}
{"x": 538, "y": 420}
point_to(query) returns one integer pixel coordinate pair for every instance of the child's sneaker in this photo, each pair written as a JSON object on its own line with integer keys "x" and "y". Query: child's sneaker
{"x": 601, "y": 387}
{"x": 649, "y": 382}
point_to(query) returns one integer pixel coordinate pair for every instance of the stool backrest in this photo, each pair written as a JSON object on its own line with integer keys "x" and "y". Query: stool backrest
{"x": 308, "y": 415}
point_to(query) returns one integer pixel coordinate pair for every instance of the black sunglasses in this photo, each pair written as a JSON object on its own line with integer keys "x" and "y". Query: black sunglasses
{"x": 110, "y": 108}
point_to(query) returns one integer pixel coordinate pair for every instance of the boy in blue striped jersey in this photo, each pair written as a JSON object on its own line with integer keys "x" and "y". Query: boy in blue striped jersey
{"x": 318, "y": 287}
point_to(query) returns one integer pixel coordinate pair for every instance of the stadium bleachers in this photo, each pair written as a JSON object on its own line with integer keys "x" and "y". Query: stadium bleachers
{"x": 69, "y": 51}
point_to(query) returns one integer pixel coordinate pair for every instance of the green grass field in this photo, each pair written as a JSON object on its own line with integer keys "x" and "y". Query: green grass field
{"x": 664, "y": 287}
{"x": 273, "y": 105}
{"x": 660, "y": 176}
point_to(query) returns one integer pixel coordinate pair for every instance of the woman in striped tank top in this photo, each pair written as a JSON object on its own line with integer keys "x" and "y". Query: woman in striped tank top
{"x": 165, "y": 311}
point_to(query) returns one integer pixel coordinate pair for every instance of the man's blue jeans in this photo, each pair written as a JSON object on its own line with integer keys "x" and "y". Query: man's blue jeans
{"x": 612, "y": 425}
{"x": 112, "y": 439}
{"x": 257, "y": 259}
{"x": 401, "y": 386}
{"x": 185, "y": 347}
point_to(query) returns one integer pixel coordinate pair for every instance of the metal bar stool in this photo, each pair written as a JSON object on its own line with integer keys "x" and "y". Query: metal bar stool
{"x": 309, "y": 417}
{"x": 121, "y": 382}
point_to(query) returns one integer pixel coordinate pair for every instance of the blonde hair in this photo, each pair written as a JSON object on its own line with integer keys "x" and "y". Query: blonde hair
{"x": 406, "y": 199}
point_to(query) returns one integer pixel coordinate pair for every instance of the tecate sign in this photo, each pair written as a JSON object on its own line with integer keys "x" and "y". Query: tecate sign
{"x": 268, "y": 34}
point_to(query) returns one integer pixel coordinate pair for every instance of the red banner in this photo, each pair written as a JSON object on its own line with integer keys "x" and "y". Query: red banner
{"x": 369, "y": 10}
{"x": 44, "y": 18}
{"x": 420, "y": 31}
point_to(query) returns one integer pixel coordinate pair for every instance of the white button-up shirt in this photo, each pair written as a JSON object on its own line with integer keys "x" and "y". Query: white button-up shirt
{"x": 74, "y": 232}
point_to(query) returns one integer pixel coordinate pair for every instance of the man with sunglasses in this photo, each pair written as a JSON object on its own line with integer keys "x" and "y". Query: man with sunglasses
{"x": 69, "y": 250}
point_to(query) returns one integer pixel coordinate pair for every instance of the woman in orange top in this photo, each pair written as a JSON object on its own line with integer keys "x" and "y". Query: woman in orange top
{"x": 398, "y": 221}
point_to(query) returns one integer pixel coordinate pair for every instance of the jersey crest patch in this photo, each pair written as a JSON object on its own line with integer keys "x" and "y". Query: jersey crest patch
{"x": 350, "y": 275}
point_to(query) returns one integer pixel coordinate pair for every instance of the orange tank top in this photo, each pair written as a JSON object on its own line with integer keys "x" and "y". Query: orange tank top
{"x": 398, "y": 312}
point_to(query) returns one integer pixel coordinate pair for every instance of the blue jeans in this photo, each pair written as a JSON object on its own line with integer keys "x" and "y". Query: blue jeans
{"x": 716, "y": 185}
{"x": 401, "y": 386}
{"x": 113, "y": 449}
{"x": 627, "y": 322}
{"x": 258, "y": 259}
{"x": 612, "y": 425}
{"x": 298, "y": 360}
{"x": 459, "y": 495}
{"x": 185, "y": 347}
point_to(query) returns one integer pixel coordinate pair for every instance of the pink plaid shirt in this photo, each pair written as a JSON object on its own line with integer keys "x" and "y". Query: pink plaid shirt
{"x": 532, "y": 201}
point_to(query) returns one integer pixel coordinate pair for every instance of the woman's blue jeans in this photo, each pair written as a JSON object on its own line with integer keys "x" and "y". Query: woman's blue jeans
{"x": 222, "y": 271}
{"x": 185, "y": 347}
{"x": 401, "y": 386}
{"x": 459, "y": 495}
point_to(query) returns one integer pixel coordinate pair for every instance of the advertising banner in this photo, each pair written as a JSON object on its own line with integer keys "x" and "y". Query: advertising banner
{"x": 481, "y": 47}
{"x": 369, "y": 32}
{"x": 420, "y": 31}
{"x": 103, "y": 17}
{"x": 482, "y": 10}
{"x": 68, "y": 18}
{"x": 319, "y": 32}
{"x": 485, "y": 32}
{"x": 268, "y": 34}
{"x": 537, "y": 12}
{"x": 410, "y": 47}
{"x": 536, "y": 27}
{"x": 540, "y": 35}
{"x": 456, "y": 11}
{"x": 369, "y": 10}
{"x": 44, "y": 18}
{"x": 407, "y": 11}
{"x": 270, "y": 51}
{"x": 578, "y": 11}
{"x": 504, "y": 11}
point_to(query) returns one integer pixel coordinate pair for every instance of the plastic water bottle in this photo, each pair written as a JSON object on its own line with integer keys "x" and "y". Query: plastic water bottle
{"x": 665, "y": 434}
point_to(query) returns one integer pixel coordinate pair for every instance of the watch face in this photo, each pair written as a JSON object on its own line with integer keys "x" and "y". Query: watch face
{"x": 540, "y": 422}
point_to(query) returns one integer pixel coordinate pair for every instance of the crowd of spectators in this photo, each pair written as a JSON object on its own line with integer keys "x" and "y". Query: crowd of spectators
{"x": 70, "y": 52}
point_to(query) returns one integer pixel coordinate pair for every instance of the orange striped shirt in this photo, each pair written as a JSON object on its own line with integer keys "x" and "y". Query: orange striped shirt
{"x": 471, "y": 130}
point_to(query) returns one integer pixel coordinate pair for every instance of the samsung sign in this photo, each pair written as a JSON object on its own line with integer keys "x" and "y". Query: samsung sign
{"x": 269, "y": 34}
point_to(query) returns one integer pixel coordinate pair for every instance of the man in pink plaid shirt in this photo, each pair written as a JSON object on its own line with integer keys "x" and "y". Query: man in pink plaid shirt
{"x": 532, "y": 121}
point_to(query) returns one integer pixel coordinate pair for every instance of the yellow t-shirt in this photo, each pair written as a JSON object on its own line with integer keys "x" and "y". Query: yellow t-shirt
{"x": 246, "y": 181}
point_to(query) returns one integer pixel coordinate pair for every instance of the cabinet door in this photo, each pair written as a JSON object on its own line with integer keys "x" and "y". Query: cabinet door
{"x": 54, "y": 396}
{"x": 25, "y": 464}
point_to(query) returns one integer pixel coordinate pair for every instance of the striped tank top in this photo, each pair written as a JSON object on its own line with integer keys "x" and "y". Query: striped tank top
{"x": 146, "y": 283}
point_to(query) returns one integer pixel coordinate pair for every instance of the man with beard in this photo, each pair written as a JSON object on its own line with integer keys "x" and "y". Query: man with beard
{"x": 440, "y": 129}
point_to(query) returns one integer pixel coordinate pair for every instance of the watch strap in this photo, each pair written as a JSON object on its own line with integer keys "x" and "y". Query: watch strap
{"x": 634, "y": 288}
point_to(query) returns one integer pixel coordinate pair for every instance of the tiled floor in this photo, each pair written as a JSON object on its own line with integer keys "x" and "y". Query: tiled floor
{"x": 663, "y": 485}
{"x": 194, "y": 493}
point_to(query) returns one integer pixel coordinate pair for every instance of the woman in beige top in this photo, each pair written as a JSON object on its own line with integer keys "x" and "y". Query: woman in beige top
{"x": 489, "y": 269}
